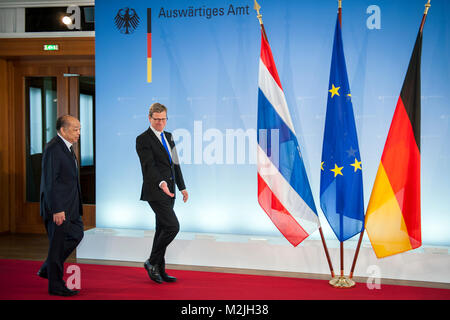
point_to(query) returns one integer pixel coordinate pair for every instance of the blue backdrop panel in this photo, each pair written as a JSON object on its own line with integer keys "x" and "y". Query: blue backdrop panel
{"x": 205, "y": 70}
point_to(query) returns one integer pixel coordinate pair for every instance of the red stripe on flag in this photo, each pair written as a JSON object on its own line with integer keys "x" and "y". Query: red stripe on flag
{"x": 401, "y": 161}
{"x": 282, "y": 219}
{"x": 267, "y": 58}
{"x": 149, "y": 45}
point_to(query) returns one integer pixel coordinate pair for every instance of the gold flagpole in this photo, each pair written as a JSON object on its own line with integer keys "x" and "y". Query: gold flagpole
{"x": 257, "y": 7}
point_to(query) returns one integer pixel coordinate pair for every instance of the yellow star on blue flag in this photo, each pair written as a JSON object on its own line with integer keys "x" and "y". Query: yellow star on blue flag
{"x": 334, "y": 91}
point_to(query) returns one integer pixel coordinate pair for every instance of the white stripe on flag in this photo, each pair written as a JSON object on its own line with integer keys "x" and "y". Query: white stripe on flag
{"x": 284, "y": 192}
{"x": 274, "y": 94}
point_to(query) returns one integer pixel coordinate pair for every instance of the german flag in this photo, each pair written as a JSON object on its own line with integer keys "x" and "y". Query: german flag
{"x": 393, "y": 214}
{"x": 149, "y": 45}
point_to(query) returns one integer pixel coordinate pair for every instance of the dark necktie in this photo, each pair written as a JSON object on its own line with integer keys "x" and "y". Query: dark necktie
{"x": 74, "y": 156}
{"x": 165, "y": 146}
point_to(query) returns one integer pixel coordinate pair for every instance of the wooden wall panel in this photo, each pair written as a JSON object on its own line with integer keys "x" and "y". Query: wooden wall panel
{"x": 4, "y": 148}
{"x": 89, "y": 216}
{"x": 75, "y": 46}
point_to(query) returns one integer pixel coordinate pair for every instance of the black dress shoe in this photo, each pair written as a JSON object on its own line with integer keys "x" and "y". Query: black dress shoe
{"x": 166, "y": 277}
{"x": 42, "y": 273}
{"x": 153, "y": 272}
{"x": 64, "y": 292}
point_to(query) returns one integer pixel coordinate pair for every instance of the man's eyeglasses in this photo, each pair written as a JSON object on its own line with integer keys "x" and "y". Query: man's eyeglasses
{"x": 160, "y": 119}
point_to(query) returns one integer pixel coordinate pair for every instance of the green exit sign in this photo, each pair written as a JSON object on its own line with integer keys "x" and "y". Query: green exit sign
{"x": 51, "y": 47}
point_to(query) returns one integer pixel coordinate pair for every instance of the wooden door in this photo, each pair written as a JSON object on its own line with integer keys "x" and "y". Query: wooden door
{"x": 44, "y": 89}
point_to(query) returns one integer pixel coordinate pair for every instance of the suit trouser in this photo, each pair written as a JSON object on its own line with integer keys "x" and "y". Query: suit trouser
{"x": 63, "y": 239}
{"x": 167, "y": 227}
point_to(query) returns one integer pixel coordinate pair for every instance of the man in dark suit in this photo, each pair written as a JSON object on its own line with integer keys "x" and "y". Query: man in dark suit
{"x": 60, "y": 203}
{"x": 161, "y": 172}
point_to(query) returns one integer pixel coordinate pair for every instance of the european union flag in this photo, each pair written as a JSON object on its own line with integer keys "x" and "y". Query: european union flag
{"x": 341, "y": 188}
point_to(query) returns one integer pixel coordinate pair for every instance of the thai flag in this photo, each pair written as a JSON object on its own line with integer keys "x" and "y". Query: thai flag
{"x": 283, "y": 187}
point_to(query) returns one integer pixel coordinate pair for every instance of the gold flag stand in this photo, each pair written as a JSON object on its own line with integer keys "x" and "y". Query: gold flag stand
{"x": 342, "y": 281}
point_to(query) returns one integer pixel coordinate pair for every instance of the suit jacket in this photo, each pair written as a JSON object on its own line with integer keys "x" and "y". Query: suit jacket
{"x": 156, "y": 166}
{"x": 60, "y": 186}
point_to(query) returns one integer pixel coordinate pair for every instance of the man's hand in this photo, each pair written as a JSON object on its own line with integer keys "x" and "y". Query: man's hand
{"x": 166, "y": 190}
{"x": 59, "y": 218}
{"x": 185, "y": 195}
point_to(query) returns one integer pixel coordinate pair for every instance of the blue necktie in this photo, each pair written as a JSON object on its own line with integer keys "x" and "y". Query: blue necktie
{"x": 165, "y": 146}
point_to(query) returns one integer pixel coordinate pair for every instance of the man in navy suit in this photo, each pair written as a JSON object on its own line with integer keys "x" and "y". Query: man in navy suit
{"x": 161, "y": 172}
{"x": 60, "y": 203}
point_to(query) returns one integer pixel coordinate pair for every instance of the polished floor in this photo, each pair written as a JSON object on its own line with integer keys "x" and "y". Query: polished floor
{"x": 35, "y": 246}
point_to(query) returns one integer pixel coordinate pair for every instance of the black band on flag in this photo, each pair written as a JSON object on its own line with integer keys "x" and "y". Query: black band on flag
{"x": 410, "y": 93}
{"x": 149, "y": 20}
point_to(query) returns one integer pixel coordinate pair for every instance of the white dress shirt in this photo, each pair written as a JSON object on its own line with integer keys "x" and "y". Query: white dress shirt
{"x": 158, "y": 135}
{"x": 68, "y": 144}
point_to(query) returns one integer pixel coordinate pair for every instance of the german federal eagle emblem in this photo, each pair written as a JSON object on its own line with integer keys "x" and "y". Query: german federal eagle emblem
{"x": 126, "y": 20}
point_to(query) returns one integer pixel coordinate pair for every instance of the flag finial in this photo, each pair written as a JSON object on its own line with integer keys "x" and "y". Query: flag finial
{"x": 340, "y": 12}
{"x": 259, "y": 15}
{"x": 425, "y": 14}
{"x": 427, "y": 6}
